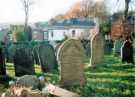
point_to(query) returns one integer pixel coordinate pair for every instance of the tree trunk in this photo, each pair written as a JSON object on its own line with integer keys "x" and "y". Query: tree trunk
{"x": 126, "y": 9}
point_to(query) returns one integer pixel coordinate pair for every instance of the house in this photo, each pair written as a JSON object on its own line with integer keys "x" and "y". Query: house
{"x": 120, "y": 28}
{"x": 18, "y": 34}
{"x": 57, "y": 30}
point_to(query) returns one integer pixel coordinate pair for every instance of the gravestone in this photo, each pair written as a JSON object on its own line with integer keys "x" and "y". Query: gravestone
{"x": 117, "y": 47}
{"x": 2, "y": 63}
{"x": 10, "y": 53}
{"x": 47, "y": 58}
{"x": 29, "y": 81}
{"x": 36, "y": 55}
{"x": 127, "y": 52}
{"x": 57, "y": 48}
{"x": 97, "y": 49}
{"x": 108, "y": 48}
{"x": 23, "y": 62}
{"x": 71, "y": 57}
{"x": 86, "y": 45}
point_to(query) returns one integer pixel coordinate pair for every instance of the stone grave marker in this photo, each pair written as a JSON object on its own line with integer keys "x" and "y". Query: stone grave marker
{"x": 71, "y": 57}
{"x": 86, "y": 45}
{"x": 11, "y": 51}
{"x": 117, "y": 47}
{"x": 47, "y": 58}
{"x": 29, "y": 81}
{"x": 108, "y": 48}
{"x": 127, "y": 52}
{"x": 97, "y": 49}
{"x": 60, "y": 92}
{"x": 2, "y": 63}
{"x": 23, "y": 62}
{"x": 36, "y": 54}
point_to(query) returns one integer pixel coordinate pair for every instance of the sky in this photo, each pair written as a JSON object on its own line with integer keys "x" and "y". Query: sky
{"x": 42, "y": 10}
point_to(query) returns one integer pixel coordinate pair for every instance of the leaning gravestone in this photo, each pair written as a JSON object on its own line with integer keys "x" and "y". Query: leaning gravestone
{"x": 71, "y": 57}
{"x": 23, "y": 62}
{"x": 47, "y": 58}
{"x": 97, "y": 49}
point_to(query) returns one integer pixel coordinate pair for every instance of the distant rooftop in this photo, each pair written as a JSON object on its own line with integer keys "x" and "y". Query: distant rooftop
{"x": 70, "y": 22}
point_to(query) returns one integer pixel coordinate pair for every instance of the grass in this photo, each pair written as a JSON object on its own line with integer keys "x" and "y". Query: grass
{"x": 109, "y": 79}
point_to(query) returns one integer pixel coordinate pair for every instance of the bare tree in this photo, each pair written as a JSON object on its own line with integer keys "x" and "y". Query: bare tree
{"x": 126, "y": 8}
{"x": 88, "y": 8}
{"x": 93, "y": 8}
{"x": 26, "y": 5}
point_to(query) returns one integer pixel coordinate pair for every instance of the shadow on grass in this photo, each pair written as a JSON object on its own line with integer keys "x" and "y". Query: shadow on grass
{"x": 111, "y": 79}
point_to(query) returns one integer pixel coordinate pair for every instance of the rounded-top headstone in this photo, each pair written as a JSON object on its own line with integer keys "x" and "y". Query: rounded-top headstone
{"x": 71, "y": 57}
{"x": 47, "y": 58}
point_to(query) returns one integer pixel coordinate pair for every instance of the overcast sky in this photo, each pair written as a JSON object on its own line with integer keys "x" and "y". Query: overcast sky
{"x": 42, "y": 10}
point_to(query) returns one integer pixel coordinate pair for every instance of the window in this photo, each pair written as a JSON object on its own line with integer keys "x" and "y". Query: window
{"x": 73, "y": 33}
{"x": 45, "y": 35}
{"x": 52, "y": 34}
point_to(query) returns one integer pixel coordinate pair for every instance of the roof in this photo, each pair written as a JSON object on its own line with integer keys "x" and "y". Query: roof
{"x": 74, "y": 22}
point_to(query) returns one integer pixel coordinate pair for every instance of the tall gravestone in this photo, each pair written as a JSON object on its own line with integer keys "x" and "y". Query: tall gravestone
{"x": 97, "y": 49}
{"x": 23, "y": 62}
{"x": 71, "y": 57}
{"x": 47, "y": 58}
{"x": 127, "y": 53}
{"x": 36, "y": 54}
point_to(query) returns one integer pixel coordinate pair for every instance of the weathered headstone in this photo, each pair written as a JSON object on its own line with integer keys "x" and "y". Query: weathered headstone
{"x": 47, "y": 58}
{"x": 71, "y": 57}
{"x": 29, "y": 81}
{"x": 127, "y": 52}
{"x": 23, "y": 62}
{"x": 117, "y": 46}
{"x": 36, "y": 55}
{"x": 108, "y": 48}
{"x": 86, "y": 45}
{"x": 2, "y": 61}
{"x": 97, "y": 49}
{"x": 55, "y": 90}
{"x": 57, "y": 48}
{"x": 10, "y": 53}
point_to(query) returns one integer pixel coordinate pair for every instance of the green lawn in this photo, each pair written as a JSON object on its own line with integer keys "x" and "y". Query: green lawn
{"x": 109, "y": 79}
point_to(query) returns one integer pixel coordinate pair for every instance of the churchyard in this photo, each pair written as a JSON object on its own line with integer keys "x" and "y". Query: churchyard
{"x": 110, "y": 79}
{"x": 103, "y": 75}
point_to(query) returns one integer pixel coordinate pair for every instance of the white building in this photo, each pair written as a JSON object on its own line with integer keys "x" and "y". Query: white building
{"x": 76, "y": 27}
